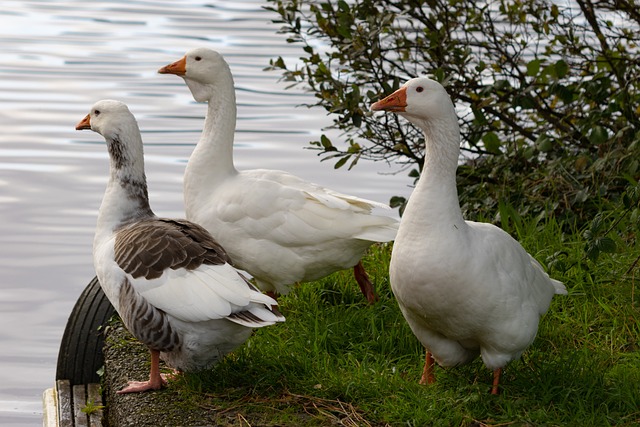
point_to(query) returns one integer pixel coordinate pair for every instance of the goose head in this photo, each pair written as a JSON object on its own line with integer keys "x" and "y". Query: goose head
{"x": 113, "y": 120}
{"x": 109, "y": 118}
{"x": 201, "y": 69}
{"x": 420, "y": 100}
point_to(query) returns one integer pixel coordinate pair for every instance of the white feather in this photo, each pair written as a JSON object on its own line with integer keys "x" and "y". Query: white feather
{"x": 277, "y": 227}
{"x": 465, "y": 288}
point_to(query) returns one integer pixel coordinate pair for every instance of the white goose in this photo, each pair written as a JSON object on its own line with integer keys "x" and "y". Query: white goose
{"x": 168, "y": 279}
{"x": 465, "y": 288}
{"x": 276, "y": 226}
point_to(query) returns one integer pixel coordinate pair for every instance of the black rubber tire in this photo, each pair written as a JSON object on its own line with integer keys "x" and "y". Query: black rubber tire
{"x": 80, "y": 355}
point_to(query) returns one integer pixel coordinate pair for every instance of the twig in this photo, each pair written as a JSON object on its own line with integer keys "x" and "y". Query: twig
{"x": 243, "y": 419}
{"x": 633, "y": 280}
{"x": 633, "y": 265}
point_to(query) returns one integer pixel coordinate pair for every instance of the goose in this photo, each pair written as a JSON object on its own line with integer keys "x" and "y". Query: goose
{"x": 277, "y": 227}
{"x": 169, "y": 280}
{"x": 465, "y": 288}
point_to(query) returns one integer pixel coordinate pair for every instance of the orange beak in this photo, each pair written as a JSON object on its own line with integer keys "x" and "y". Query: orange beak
{"x": 84, "y": 123}
{"x": 396, "y": 102}
{"x": 179, "y": 68}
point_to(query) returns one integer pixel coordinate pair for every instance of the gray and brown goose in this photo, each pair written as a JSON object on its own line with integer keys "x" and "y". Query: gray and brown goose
{"x": 169, "y": 280}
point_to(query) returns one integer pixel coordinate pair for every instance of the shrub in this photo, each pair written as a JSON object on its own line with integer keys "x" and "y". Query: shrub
{"x": 547, "y": 92}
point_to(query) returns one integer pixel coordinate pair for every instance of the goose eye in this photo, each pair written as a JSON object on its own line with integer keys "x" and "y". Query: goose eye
{"x": 96, "y": 113}
{"x": 198, "y": 58}
{"x": 419, "y": 89}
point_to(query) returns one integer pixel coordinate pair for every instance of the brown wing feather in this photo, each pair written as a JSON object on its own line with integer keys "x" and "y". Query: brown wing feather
{"x": 148, "y": 247}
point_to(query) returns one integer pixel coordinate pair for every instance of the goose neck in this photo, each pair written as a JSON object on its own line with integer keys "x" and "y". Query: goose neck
{"x": 214, "y": 151}
{"x": 126, "y": 197}
{"x": 435, "y": 198}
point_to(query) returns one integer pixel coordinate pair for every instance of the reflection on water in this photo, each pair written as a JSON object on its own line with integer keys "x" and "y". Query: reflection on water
{"x": 56, "y": 59}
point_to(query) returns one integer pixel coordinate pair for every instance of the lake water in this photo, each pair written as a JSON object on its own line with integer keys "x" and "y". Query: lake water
{"x": 56, "y": 59}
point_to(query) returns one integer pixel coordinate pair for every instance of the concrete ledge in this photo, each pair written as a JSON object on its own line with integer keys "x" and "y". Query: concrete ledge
{"x": 128, "y": 360}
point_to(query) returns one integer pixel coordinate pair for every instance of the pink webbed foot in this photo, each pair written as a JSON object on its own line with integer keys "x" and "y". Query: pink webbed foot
{"x": 140, "y": 386}
{"x": 156, "y": 379}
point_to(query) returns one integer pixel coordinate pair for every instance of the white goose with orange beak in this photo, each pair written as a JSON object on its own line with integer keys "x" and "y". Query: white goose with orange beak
{"x": 465, "y": 288}
{"x": 279, "y": 228}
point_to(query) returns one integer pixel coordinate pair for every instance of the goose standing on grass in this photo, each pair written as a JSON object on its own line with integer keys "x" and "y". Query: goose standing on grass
{"x": 168, "y": 279}
{"x": 276, "y": 226}
{"x": 465, "y": 288}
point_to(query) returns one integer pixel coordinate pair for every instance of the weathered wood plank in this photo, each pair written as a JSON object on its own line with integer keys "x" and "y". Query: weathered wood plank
{"x": 50, "y": 408}
{"x": 95, "y": 397}
{"x": 65, "y": 403}
{"x": 79, "y": 392}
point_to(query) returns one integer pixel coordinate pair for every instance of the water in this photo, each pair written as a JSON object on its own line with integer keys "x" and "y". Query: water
{"x": 56, "y": 59}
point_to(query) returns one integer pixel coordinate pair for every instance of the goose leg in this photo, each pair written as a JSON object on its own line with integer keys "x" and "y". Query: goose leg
{"x": 156, "y": 381}
{"x": 427, "y": 372}
{"x": 496, "y": 380}
{"x": 365, "y": 284}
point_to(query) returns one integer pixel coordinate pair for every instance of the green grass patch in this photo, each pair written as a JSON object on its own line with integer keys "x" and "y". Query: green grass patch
{"x": 338, "y": 361}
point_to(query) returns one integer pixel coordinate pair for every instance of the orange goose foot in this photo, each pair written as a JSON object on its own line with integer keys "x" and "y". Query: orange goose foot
{"x": 427, "y": 373}
{"x": 496, "y": 380}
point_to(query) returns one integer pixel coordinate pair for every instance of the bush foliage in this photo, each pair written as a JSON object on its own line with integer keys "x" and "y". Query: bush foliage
{"x": 547, "y": 93}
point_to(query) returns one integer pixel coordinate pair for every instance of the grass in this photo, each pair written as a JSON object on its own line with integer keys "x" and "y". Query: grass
{"x": 338, "y": 361}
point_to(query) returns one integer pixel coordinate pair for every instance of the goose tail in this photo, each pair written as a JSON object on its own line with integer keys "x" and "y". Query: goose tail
{"x": 559, "y": 287}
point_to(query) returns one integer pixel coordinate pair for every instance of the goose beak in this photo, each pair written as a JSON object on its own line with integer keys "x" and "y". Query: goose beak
{"x": 179, "y": 68}
{"x": 84, "y": 123}
{"x": 396, "y": 102}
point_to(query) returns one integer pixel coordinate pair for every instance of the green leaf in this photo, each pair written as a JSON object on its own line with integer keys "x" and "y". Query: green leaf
{"x": 326, "y": 143}
{"x": 606, "y": 244}
{"x": 581, "y": 196}
{"x": 401, "y": 147}
{"x": 565, "y": 93}
{"x": 354, "y": 161}
{"x": 398, "y": 202}
{"x": 341, "y": 162}
{"x": 322, "y": 69}
{"x": 491, "y": 142}
{"x": 561, "y": 68}
{"x": 479, "y": 116}
{"x": 344, "y": 30}
{"x": 501, "y": 85}
{"x": 592, "y": 251}
{"x": 356, "y": 119}
{"x": 525, "y": 102}
{"x": 544, "y": 143}
{"x": 533, "y": 67}
{"x": 354, "y": 148}
{"x": 343, "y": 6}
{"x": 598, "y": 135}
{"x": 279, "y": 63}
